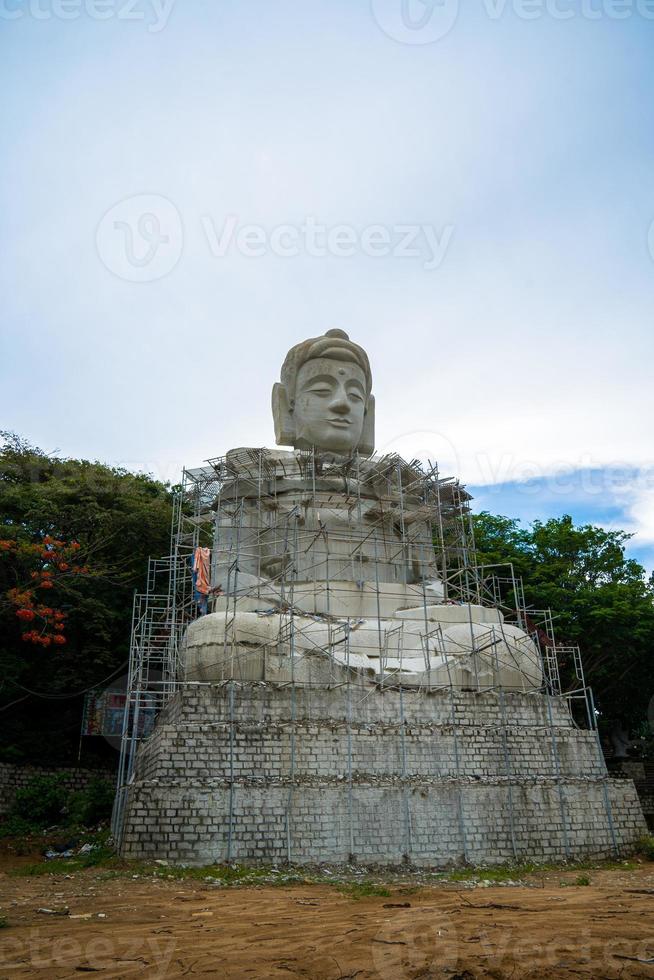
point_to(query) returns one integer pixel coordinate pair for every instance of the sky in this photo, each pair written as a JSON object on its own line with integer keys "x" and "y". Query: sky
{"x": 190, "y": 187}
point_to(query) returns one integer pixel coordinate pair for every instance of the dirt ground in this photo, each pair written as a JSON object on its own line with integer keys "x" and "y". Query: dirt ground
{"x": 118, "y": 926}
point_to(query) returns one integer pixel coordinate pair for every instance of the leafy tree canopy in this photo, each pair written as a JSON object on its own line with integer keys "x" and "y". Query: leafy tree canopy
{"x": 600, "y": 600}
{"x": 88, "y": 530}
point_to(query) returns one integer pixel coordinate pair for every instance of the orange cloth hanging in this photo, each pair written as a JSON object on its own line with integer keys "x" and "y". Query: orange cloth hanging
{"x": 201, "y": 568}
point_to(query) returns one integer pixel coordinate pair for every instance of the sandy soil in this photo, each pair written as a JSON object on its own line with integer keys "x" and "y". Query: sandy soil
{"x": 123, "y": 926}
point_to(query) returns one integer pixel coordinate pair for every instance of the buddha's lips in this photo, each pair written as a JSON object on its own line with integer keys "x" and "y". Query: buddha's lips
{"x": 339, "y": 423}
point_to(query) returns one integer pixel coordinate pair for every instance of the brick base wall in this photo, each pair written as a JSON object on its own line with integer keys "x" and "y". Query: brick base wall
{"x": 265, "y": 773}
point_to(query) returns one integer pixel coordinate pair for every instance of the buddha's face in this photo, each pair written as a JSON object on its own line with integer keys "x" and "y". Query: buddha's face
{"x": 330, "y": 405}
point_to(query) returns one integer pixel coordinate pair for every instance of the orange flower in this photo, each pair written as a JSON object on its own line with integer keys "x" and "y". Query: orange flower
{"x": 20, "y": 598}
{"x": 59, "y": 640}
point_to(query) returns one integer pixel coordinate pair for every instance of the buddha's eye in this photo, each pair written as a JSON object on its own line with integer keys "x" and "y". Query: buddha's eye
{"x": 355, "y": 396}
{"x": 321, "y": 390}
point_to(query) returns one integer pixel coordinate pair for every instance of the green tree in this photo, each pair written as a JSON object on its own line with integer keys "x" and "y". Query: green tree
{"x": 600, "y": 600}
{"x": 118, "y": 519}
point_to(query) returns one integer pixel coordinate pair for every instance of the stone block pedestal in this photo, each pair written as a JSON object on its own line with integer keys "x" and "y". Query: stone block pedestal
{"x": 265, "y": 773}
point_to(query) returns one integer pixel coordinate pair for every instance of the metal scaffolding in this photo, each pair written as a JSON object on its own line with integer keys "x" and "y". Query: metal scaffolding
{"x": 268, "y": 518}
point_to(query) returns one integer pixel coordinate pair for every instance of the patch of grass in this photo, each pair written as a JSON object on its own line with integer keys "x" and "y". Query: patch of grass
{"x": 645, "y": 847}
{"x": 102, "y": 854}
{"x": 502, "y": 872}
{"x": 3, "y": 922}
{"x": 15, "y": 826}
{"x": 30, "y": 870}
{"x": 41, "y": 802}
{"x": 104, "y": 858}
{"x": 579, "y": 880}
{"x": 228, "y": 875}
{"x": 45, "y": 802}
{"x": 513, "y": 872}
{"x": 363, "y": 889}
{"x": 607, "y": 865}
{"x": 409, "y": 889}
{"x": 87, "y": 807}
{"x": 99, "y": 857}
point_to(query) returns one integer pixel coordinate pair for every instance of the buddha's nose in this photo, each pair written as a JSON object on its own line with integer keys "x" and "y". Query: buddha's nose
{"x": 339, "y": 403}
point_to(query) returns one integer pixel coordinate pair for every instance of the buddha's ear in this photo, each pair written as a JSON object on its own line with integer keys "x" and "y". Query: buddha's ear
{"x": 284, "y": 424}
{"x": 367, "y": 445}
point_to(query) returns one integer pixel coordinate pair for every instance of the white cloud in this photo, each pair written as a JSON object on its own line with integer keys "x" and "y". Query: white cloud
{"x": 637, "y": 499}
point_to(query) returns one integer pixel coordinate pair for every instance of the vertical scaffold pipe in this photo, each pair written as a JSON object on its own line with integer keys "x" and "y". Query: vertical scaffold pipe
{"x": 121, "y": 781}
{"x": 289, "y": 799}
{"x": 379, "y": 625}
{"x": 455, "y": 742}
{"x": 507, "y": 764}
{"x": 230, "y": 820}
{"x": 350, "y": 800}
{"x": 605, "y": 780}
{"x": 557, "y": 772}
{"x": 408, "y": 843}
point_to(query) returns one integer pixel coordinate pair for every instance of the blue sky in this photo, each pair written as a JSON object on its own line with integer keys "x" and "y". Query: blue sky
{"x": 483, "y": 180}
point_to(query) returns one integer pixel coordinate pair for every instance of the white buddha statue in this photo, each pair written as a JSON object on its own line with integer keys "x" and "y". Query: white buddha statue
{"x": 324, "y": 398}
{"x": 324, "y": 557}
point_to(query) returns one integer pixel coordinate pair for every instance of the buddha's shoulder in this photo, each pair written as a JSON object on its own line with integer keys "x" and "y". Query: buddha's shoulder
{"x": 292, "y": 463}
{"x": 244, "y": 459}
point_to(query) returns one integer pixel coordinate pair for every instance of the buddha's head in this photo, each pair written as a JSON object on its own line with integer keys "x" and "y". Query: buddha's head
{"x": 324, "y": 397}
